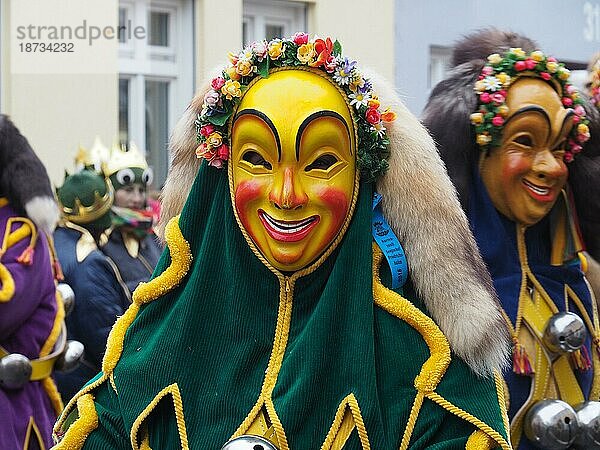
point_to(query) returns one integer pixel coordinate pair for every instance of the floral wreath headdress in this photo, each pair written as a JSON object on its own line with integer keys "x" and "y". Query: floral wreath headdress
{"x": 257, "y": 59}
{"x": 496, "y": 77}
{"x": 595, "y": 84}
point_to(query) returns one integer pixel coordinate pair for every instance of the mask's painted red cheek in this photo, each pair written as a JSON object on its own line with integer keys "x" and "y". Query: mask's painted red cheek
{"x": 246, "y": 193}
{"x": 515, "y": 166}
{"x": 336, "y": 200}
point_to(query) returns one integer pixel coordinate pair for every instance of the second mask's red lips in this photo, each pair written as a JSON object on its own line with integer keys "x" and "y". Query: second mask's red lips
{"x": 538, "y": 192}
{"x": 287, "y": 230}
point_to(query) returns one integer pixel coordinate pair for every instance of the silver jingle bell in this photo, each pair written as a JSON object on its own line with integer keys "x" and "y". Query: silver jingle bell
{"x": 551, "y": 425}
{"x": 70, "y": 357}
{"x": 67, "y": 295}
{"x": 565, "y": 332}
{"x": 588, "y": 416}
{"x": 15, "y": 371}
{"x": 249, "y": 442}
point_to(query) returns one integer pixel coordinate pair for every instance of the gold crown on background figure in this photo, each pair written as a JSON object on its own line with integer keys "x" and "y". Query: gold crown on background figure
{"x": 86, "y": 214}
{"x": 122, "y": 157}
{"x": 96, "y": 156}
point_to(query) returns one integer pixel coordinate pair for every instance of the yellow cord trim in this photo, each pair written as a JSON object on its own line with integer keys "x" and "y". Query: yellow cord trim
{"x": 501, "y": 389}
{"x": 497, "y": 437}
{"x": 480, "y": 441}
{"x": 145, "y": 445}
{"x": 172, "y": 389}
{"x": 32, "y": 428}
{"x": 331, "y": 440}
{"x": 435, "y": 367}
{"x": 114, "y": 345}
{"x": 56, "y": 327}
{"x": 412, "y": 420}
{"x": 584, "y": 262}
{"x": 282, "y": 328}
{"x": 8, "y": 284}
{"x": 50, "y": 388}
{"x": 3, "y": 202}
{"x": 75, "y": 402}
{"x": 82, "y": 427}
{"x": 181, "y": 257}
{"x": 18, "y": 235}
{"x": 181, "y": 260}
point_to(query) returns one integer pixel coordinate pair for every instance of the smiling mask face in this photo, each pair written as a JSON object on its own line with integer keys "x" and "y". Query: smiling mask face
{"x": 293, "y": 166}
{"x": 525, "y": 175}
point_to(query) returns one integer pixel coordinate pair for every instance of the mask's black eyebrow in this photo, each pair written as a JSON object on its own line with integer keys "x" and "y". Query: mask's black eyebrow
{"x": 309, "y": 119}
{"x": 532, "y": 108}
{"x": 265, "y": 119}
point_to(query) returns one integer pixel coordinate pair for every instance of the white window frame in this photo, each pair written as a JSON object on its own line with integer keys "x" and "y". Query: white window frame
{"x": 291, "y": 16}
{"x": 139, "y": 61}
{"x": 438, "y": 55}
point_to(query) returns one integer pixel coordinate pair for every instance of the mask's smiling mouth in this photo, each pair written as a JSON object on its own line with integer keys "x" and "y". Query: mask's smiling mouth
{"x": 287, "y": 230}
{"x": 541, "y": 193}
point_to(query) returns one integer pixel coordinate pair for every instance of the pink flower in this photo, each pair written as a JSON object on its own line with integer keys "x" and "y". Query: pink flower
{"x": 545, "y": 75}
{"x": 582, "y": 138}
{"x": 497, "y": 121}
{"x": 330, "y": 65}
{"x": 497, "y": 98}
{"x": 260, "y": 48}
{"x": 576, "y": 148}
{"x": 520, "y": 66}
{"x": 223, "y": 152}
{"x": 503, "y": 92}
{"x": 216, "y": 162}
{"x": 201, "y": 150}
{"x": 570, "y": 89}
{"x": 575, "y": 119}
{"x": 217, "y": 83}
{"x": 212, "y": 98}
{"x": 487, "y": 70}
{"x": 530, "y": 64}
{"x": 567, "y": 101}
{"x": 485, "y": 97}
{"x": 373, "y": 116}
{"x": 568, "y": 156}
{"x": 300, "y": 38}
{"x": 551, "y": 59}
{"x": 579, "y": 110}
{"x": 207, "y": 130}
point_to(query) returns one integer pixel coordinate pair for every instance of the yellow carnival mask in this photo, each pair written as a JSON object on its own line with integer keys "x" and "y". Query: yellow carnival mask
{"x": 293, "y": 166}
{"x": 525, "y": 175}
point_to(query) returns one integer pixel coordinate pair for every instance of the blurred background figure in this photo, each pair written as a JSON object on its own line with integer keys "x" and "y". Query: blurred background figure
{"x": 31, "y": 312}
{"x": 100, "y": 294}
{"x": 585, "y": 181}
{"x": 131, "y": 242}
{"x": 512, "y": 130}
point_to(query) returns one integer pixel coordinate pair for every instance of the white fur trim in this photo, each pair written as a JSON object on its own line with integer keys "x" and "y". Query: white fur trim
{"x": 422, "y": 207}
{"x": 43, "y": 210}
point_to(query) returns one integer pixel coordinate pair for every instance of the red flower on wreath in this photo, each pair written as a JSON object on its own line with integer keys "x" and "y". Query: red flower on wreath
{"x": 324, "y": 49}
{"x": 373, "y": 116}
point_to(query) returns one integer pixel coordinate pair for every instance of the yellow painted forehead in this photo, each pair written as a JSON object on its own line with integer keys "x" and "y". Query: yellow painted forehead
{"x": 288, "y": 97}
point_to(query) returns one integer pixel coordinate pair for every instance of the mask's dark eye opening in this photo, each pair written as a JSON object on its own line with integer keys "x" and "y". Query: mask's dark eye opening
{"x": 323, "y": 162}
{"x": 256, "y": 160}
{"x": 524, "y": 140}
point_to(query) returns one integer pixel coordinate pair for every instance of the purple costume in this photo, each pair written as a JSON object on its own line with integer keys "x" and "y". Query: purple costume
{"x": 30, "y": 318}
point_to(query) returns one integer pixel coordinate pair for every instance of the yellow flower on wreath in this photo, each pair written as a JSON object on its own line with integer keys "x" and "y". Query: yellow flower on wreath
{"x": 231, "y": 89}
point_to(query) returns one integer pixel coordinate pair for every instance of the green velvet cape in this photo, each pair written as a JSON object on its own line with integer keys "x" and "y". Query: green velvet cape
{"x": 194, "y": 361}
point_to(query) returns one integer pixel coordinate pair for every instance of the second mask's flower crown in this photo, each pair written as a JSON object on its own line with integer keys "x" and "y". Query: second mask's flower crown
{"x": 595, "y": 84}
{"x": 257, "y": 59}
{"x": 496, "y": 77}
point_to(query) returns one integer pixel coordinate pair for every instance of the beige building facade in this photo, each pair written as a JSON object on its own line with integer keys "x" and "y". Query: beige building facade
{"x": 134, "y": 87}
